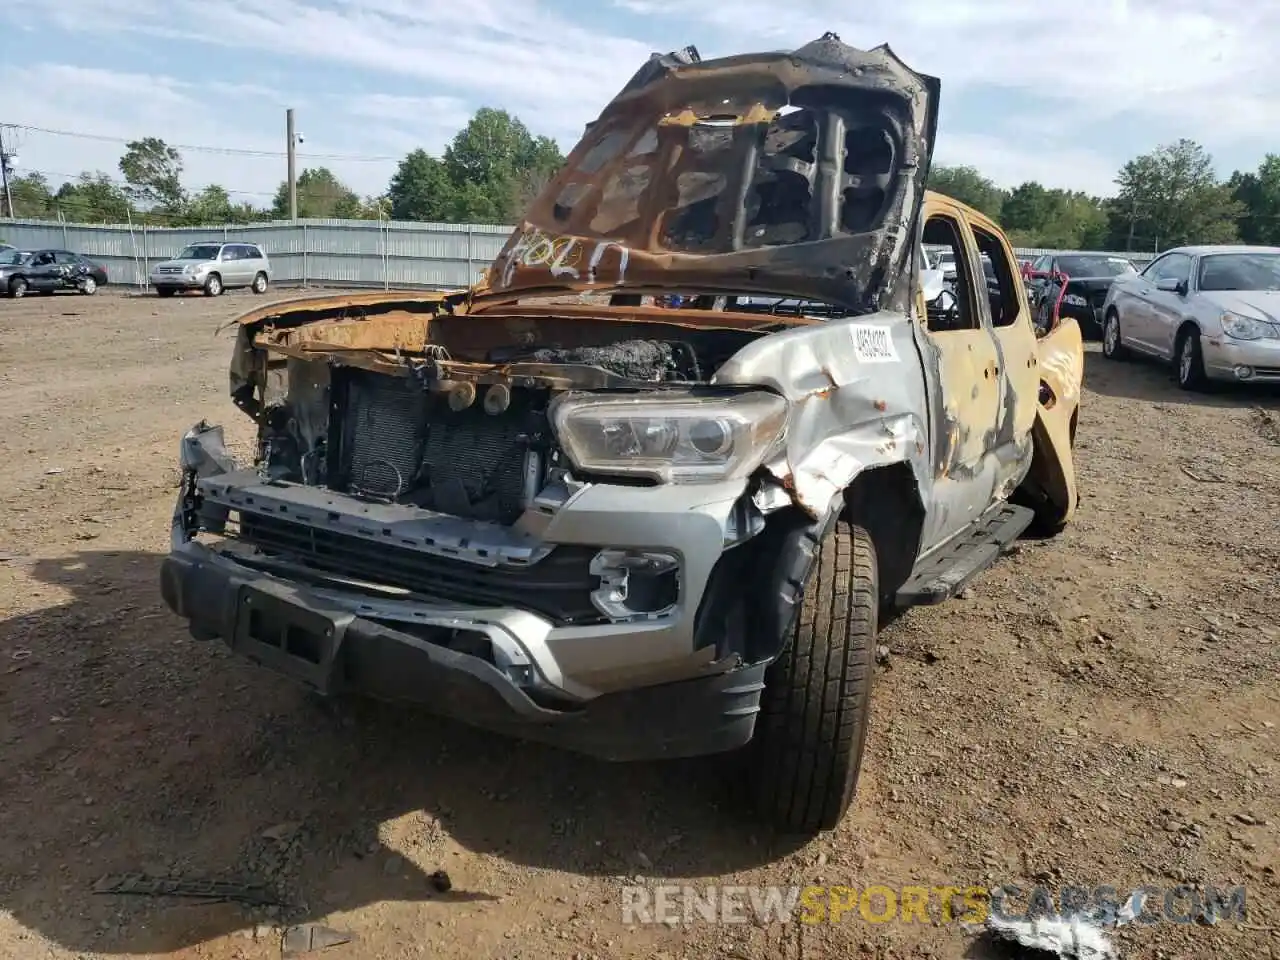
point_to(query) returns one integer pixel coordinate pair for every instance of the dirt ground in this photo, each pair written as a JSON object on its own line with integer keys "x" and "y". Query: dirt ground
{"x": 1100, "y": 709}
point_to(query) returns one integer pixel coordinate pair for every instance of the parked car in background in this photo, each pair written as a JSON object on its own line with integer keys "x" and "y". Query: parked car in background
{"x": 1215, "y": 310}
{"x": 213, "y": 267}
{"x": 1089, "y": 277}
{"x": 946, "y": 263}
{"x": 48, "y": 271}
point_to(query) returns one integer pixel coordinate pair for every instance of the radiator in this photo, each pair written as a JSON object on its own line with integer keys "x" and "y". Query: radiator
{"x": 401, "y": 443}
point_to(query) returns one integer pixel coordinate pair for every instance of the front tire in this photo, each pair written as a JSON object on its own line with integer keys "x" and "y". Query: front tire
{"x": 1190, "y": 361}
{"x": 813, "y": 718}
{"x": 260, "y": 283}
{"x": 213, "y": 286}
{"x": 17, "y": 288}
{"x": 1113, "y": 347}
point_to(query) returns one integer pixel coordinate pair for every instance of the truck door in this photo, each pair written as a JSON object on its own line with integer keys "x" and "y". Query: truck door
{"x": 1010, "y": 315}
{"x": 964, "y": 382}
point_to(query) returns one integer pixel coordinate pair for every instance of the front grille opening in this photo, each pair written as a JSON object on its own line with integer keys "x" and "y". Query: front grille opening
{"x": 558, "y": 587}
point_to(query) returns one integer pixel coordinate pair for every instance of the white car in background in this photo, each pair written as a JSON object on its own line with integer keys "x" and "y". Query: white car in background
{"x": 1214, "y": 311}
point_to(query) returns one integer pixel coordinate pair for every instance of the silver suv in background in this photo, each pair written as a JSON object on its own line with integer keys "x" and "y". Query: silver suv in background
{"x": 213, "y": 267}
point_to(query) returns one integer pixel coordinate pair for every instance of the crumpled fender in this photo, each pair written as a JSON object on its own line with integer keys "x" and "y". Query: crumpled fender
{"x": 847, "y": 415}
{"x": 1061, "y": 360}
{"x": 201, "y": 453}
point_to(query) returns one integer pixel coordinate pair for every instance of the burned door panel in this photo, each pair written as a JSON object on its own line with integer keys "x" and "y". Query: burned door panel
{"x": 1010, "y": 317}
{"x": 969, "y": 405}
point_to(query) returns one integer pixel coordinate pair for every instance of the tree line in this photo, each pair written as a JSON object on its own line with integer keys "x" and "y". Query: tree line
{"x": 1166, "y": 198}
{"x": 494, "y": 166}
{"x": 487, "y": 174}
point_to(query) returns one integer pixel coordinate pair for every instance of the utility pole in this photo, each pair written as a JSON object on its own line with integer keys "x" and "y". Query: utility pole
{"x": 6, "y": 158}
{"x": 292, "y": 138}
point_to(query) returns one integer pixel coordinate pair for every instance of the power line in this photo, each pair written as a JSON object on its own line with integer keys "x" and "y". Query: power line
{"x": 95, "y": 176}
{"x": 199, "y": 148}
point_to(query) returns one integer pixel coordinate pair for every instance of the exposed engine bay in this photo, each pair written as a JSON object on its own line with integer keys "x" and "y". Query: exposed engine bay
{"x": 460, "y": 425}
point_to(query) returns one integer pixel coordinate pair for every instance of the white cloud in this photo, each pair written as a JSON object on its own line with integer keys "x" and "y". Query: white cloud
{"x": 71, "y": 98}
{"x": 1009, "y": 164}
{"x": 1210, "y": 64}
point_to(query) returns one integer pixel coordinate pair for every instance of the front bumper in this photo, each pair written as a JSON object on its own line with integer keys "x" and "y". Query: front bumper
{"x": 1242, "y": 361}
{"x": 330, "y": 641}
{"x": 1089, "y": 317}
{"x": 179, "y": 281}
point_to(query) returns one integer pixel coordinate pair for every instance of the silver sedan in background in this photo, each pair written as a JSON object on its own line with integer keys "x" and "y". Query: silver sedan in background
{"x": 1213, "y": 311}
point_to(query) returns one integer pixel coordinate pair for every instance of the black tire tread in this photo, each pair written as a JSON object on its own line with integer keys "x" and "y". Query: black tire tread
{"x": 1199, "y": 381}
{"x": 814, "y": 710}
{"x": 1121, "y": 351}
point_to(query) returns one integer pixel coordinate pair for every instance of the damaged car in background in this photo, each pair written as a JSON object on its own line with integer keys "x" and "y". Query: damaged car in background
{"x": 1077, "y": 285}
{"x": 550, "y": 508}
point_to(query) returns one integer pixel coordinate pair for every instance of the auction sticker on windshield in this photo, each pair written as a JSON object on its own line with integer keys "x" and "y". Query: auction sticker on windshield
{"x": 874, "y": 344}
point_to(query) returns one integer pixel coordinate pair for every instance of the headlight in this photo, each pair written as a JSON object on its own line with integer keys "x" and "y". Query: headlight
{"x": 1075, "y": 300}
{"x": 679, "y": 439}
{"x": 1247, "y": 328}
{"x": 189, "y": 269}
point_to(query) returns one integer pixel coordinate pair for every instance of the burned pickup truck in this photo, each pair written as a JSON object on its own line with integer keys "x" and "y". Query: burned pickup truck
{"x": 548, "y": 507}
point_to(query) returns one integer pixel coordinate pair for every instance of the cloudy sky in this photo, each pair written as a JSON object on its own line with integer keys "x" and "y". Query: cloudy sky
{"x": 1061, "y": 93}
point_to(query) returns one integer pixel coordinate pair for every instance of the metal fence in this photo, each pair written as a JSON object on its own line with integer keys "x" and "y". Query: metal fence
{"x": 347, "y": 253}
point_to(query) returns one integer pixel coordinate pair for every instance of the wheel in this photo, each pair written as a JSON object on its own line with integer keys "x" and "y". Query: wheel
{"x": 213, "y": 286}
{"x": 260, "y": 283}
{"x": 1112, "y": 346}
{"x": 813, "y": 714}
{"x": 88, "y": 286}
{"x": 1190, "y": 360}
{"x": 164, "y": 291}
{"x": 18, "y": 287}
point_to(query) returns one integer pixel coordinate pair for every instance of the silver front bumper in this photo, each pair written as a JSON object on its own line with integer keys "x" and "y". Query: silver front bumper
{"x": 693, "y": 524}
{"x": 1244, "y": 361}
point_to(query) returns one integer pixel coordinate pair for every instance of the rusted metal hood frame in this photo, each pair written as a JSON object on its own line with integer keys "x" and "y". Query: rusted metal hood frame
{"x": 860, "y": 266}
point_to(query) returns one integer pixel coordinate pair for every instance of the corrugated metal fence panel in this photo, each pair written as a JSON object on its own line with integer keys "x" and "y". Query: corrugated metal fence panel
{"x": 339, "y": 252}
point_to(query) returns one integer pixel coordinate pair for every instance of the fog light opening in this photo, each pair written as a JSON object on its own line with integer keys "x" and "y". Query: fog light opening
{"x": 635, "y": 584}
{"x": 1243, "y": 372}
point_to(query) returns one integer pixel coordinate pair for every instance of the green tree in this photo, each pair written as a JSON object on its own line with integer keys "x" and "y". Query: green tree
{"x": 210, "y": 205}
{"x": 1171, "y": 197}
{"x": 491, "y": 170}
{"x": 1036, "y": 216}
{"x": 967, "y": 185}
{"x": 421, "y": 189}
{"x": 1259, "y": 195}
{"x": 1029, "y": 208}
{"x": 31, "y": 196}
{"x": 153, "y": 171}
{"x": 92, "y": 198}
{"x": 321, "y": 195}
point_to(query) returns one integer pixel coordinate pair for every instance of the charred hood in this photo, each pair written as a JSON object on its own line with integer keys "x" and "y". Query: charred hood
{"x": 799, "y": 174}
